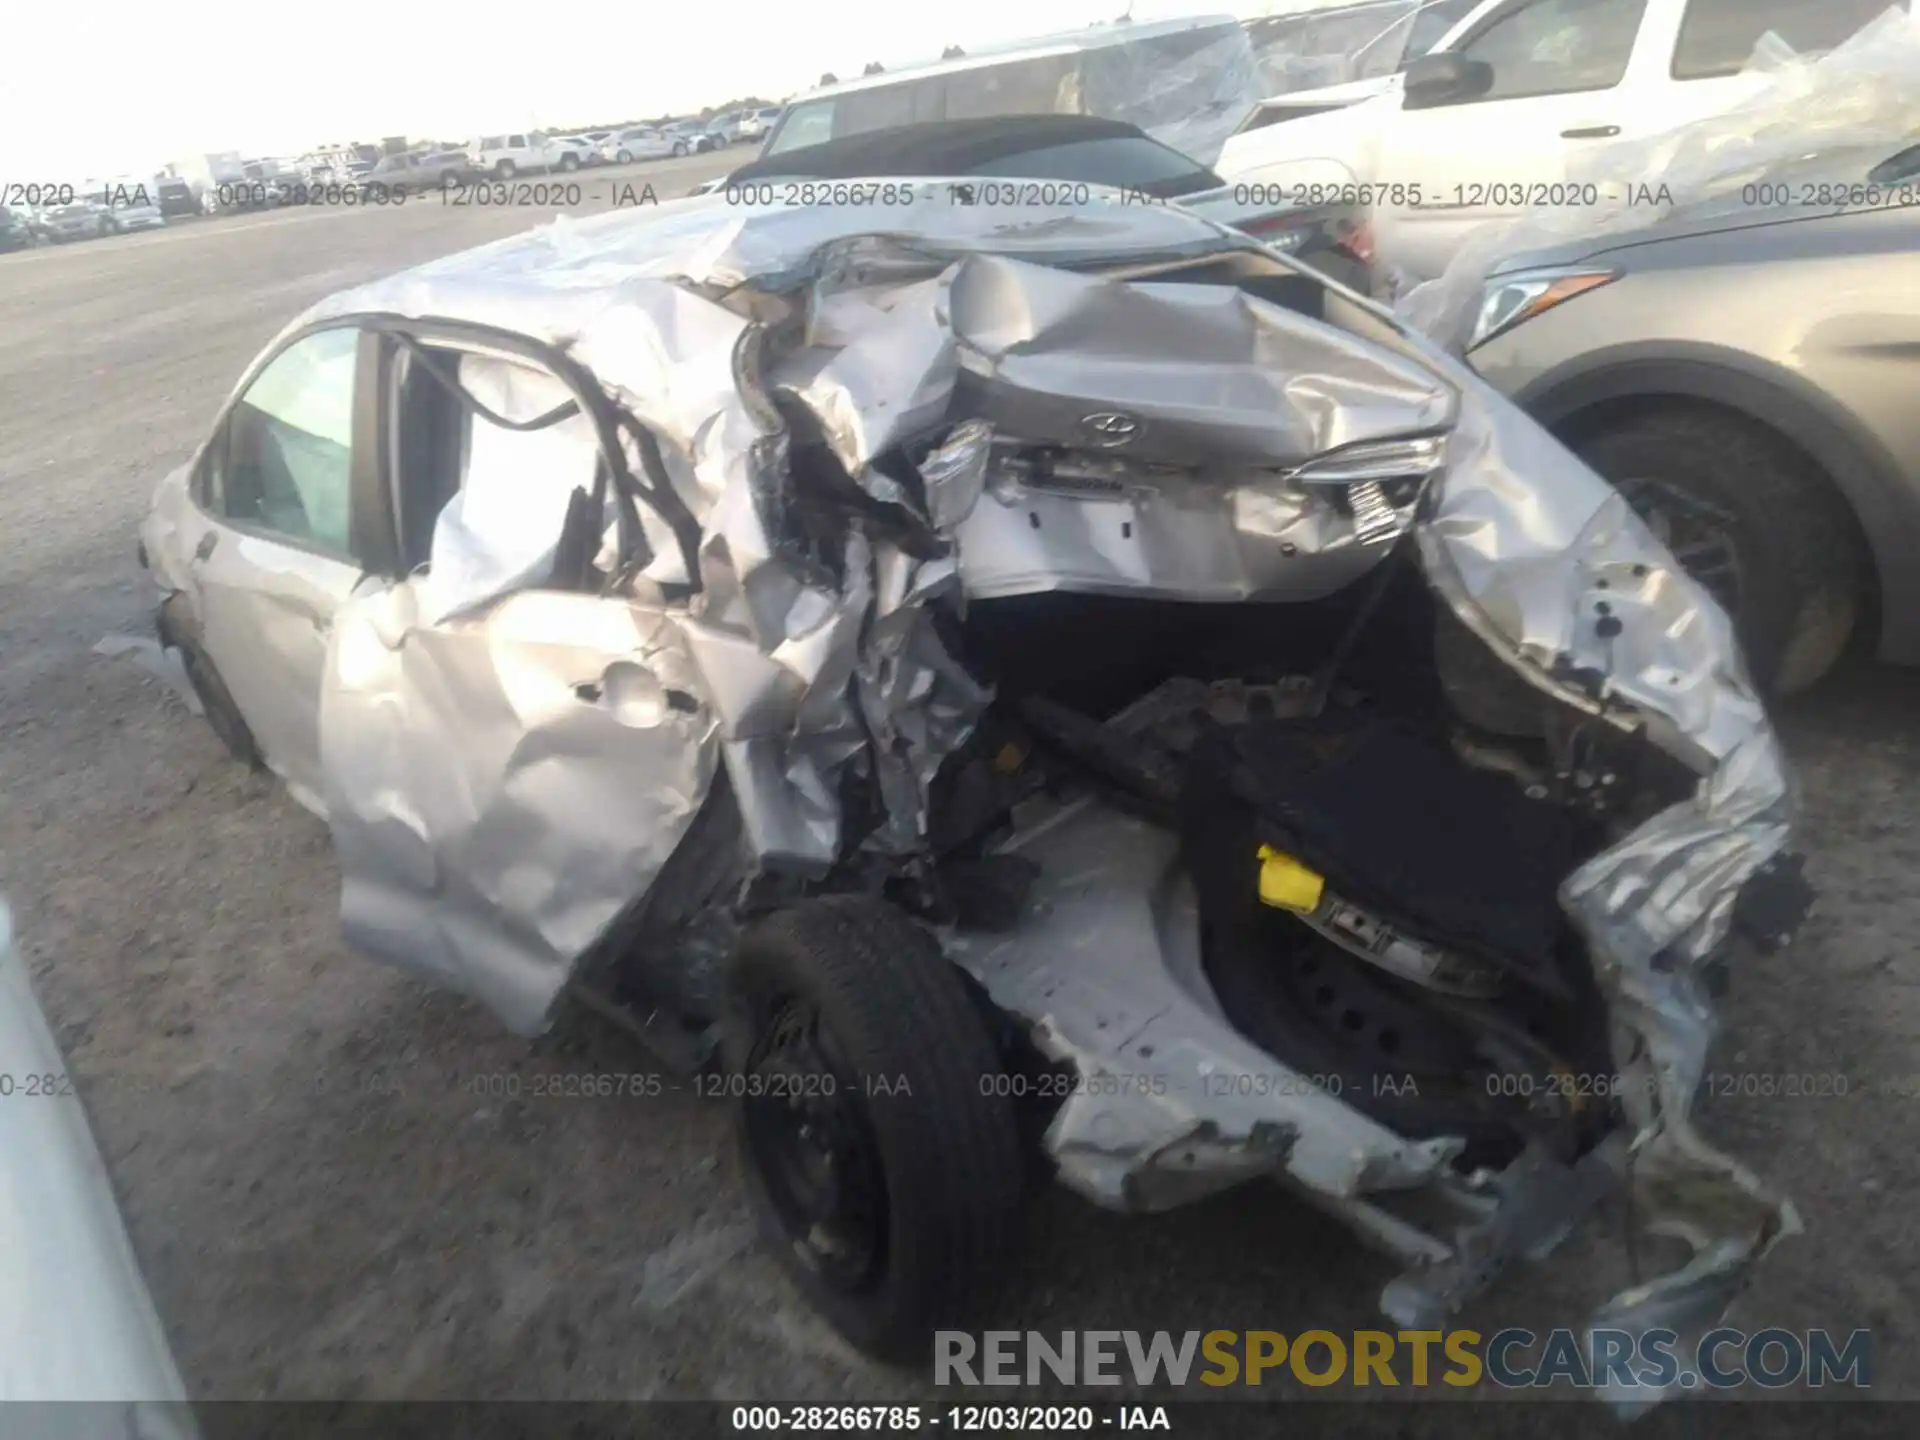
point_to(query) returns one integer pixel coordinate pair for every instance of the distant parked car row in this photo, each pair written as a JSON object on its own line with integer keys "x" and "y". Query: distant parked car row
{"x": 82, "y": 213}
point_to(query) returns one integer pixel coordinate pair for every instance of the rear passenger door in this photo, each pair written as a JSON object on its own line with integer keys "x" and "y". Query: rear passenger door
{"x": 276, "y": 559}
{"x": 510, "y": 756}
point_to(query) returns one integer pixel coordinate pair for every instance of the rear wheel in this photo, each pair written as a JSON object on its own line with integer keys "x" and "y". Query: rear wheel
{"x": 569, "y": 163}
{"x": 504, "y": 170}
{"x": 885, "y": 1168}
{"x": 1754, "y": 521}
{"x": 176, "y": 632}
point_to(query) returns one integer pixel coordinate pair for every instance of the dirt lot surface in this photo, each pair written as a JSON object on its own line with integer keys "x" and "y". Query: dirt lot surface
{"x": 331, "y": 1196}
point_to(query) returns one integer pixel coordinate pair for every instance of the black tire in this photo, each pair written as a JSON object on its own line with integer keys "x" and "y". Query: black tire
{"x": 223, "y": 716}
{"x": 933, "y": 1171}
{"x": 1772, "y": 521}
{"x": 679, "y": 148}
{"x": 625, "y": 157}
{"x": 504, "y": 170}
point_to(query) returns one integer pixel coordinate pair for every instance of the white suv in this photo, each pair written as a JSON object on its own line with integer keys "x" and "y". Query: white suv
{"x": 503, "y": 156}
{"x": 754, "y": 124}
{"x": 1512, "y": 93}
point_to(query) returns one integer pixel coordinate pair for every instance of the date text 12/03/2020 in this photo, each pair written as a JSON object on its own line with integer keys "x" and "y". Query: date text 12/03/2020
{"x": 960, "y": 1419}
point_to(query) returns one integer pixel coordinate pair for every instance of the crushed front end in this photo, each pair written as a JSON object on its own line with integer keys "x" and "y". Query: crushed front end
{"x": 1305, "y": 753}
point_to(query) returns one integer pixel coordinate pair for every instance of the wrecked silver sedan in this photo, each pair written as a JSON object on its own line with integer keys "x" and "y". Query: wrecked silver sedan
{"x": 1003, "y": 682}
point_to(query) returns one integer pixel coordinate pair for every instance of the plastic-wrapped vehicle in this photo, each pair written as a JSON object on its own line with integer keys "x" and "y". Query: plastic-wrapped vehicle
{"x": 1008, "y": 680}
{"x": 96, "y": 1364}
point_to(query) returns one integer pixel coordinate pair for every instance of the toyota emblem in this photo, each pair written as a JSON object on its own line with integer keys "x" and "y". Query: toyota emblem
{"x": 1109, "y": 429}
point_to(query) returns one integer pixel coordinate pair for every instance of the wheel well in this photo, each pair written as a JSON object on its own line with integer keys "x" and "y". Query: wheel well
{"x": 1600, "y": 415}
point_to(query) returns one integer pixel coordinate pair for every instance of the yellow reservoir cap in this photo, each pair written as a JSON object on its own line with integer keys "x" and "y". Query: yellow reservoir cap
{"x": 1287, "y": 884}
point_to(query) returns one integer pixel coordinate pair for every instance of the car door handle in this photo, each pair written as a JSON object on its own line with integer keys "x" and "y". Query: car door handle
{"x": 205, "y": 547}
{"x": 1590, "y": 132}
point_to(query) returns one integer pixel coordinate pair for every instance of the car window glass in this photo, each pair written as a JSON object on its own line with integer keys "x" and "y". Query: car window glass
{"x": 810, "y": 124}
{"x": 1122, "y": 160}
{"x": 1717, "y": 37}
{"x": 861, "y": 111}
{"x": 286, "y": 460}
{"x": 1045, "y": 85}
{"x": 516, "y": 141}
{"x": 1430, "y": 27}
{"x": 1556, "y": 47}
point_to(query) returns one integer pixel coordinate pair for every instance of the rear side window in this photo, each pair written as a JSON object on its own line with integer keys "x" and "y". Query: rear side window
{"x": 284, "y": 461}
{"x": 810, "y": 124}
{"x": 1045, "y": 85}
{"x": 1125, "y": 161}
{"x": 516, "y": 142}
{"x": 907, "y": 103}
{"x": 1717, "y": 36}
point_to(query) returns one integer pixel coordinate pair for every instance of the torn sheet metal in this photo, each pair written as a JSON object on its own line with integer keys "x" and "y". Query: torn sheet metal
{"x": 1159, "y": 1121}
{"x": 809, "y": 661}
{"x": 489, "y": 866}
{"x": 1549, "y": 565}
{"x": 1864, "y": 96}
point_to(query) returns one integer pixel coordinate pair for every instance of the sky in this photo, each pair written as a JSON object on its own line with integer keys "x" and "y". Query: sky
{"x": 141, "y": 85}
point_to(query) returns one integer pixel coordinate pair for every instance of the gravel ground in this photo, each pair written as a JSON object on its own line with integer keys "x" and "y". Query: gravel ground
{"x": 328, "y": 1202}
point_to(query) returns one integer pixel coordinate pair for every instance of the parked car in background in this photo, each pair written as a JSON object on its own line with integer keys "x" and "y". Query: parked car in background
{"x": 80, "y": 219}
{"x": 568, "y": 153}
{"x": 133, "y": 209}
{"x": 418, "y": 170}
{"x": 727, "y": 126}
{"x": 16, "y": 230}
{"x": 1746, "y": 374}
{"x": 585, "y": 152}
{"x": 1083, "y": 150}
{"x": 504, "y": 156}
{"x": 753, "y": 125}
{"x": 1187, "y": 82}
{"x": 636, "y": 142}
{"x": 1498, "y": 108}
{"x": 692, "y": 137}
{"x": 96, "y": 1355}
{"x": 1390, "y": 35}
{"x": 175, "y": 197}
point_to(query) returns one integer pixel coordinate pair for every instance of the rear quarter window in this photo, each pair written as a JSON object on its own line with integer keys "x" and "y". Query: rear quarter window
{"x": 1717, "y": 37}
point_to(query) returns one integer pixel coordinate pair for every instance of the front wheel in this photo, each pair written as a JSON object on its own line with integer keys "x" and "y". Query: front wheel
{"x": 1754, "y": 521}
{"x": 885, "y": 1170}
{"x": 505, "y": 170}
{"x": 679, "y": 148}
{"x": 569, "y": 163}
{"x": 625, "y": 157}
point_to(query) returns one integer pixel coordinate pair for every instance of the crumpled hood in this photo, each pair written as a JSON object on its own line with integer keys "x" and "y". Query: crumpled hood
{"x": 935, "y": 346}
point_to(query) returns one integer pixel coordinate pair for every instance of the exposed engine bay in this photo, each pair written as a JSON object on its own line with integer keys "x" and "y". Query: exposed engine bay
{"x": 1296, "y": 747}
